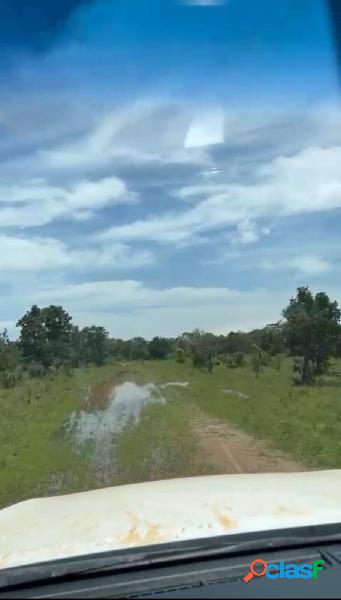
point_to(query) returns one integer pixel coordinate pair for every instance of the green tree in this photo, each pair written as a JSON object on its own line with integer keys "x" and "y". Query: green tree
{"x": 9, "y": 361}
{"x": 33, "y": 340}
{"x": 159, "y": 348}
{"x": 311, "y": 330}
{"x": 94, "y": 345}
{"x": 58, "y": 326}
{"x": 256, "y": 360}
{"x": 9, "y": 353}
{"x": 198, "y": 357}
{"x": 138, "y": 349}
{"x": 75, "y": 349}
{"x": 180, "y": 355}
{"x": 272, "y": 340}
{"x": 45, "y": 335}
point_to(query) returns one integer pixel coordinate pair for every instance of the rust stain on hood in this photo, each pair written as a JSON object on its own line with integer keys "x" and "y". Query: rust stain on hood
{"x": 165, "y": 511}
{"x": 150, "y": 533}
{"x": 226, "y": 522}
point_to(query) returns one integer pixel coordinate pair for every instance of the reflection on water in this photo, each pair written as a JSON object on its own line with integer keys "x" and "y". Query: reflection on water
{"x": 100, "y": 427}
{"x": 126, "y": 402}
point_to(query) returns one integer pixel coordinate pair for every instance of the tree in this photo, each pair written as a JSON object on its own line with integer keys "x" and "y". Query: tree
{"x": 236, "y": 342}
{"x": 76, "y": 350}
{"x": 58, "y": 326}
{"x": 259, "y": 359}
{"x": 198, "y": 357}
{"x": 94, "y": 345}
{"x": 138, "y": 349}
{"x": 311, "y": 330}
{"x": 180, "y": 355}
{"x": 272, "y": 340}
{"x": 33, "y": 336}
{"x": 9, "y": 353}
{"x": 45, "y": 335}
{"x": 159, "y": 347}
{"x": 9, "y": 361}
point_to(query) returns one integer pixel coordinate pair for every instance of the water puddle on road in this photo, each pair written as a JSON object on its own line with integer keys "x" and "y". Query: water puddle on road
{"x": 100, "y": 427}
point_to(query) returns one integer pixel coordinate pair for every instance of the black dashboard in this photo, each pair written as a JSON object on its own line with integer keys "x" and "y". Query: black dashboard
{"x": 180, "y": 571}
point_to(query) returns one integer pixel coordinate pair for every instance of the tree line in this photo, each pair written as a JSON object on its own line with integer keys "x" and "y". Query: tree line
{"x": 309, "y": 331}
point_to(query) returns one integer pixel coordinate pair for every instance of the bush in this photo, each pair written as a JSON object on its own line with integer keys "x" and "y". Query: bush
{"x": 303, "y": 371}
{"x": 9, "y": 379}
{"x": 180, "y": 355}
{"x": 36, "y": 369}
{"x": 198, "y": 359}
{"x": 67, "y": 370}
{"x": 235, "y": 360}
{"x": 276, "y": 362}
{"x": 239, "y": 358}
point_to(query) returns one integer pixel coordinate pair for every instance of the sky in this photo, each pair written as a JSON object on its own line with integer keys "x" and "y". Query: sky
{"x": 166, "y": 165}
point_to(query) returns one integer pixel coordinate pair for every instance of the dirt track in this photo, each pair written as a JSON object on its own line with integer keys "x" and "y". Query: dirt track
{"x": 229, "y": 450}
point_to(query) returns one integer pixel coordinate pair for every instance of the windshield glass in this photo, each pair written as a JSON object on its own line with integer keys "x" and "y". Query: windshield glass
{"x": 170, "y": 196}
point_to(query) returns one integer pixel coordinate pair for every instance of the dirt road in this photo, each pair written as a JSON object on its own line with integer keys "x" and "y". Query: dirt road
{"x": 227, "y": 449}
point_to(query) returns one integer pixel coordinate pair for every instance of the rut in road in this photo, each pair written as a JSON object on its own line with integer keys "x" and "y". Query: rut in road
{"x": 228, "y": 450}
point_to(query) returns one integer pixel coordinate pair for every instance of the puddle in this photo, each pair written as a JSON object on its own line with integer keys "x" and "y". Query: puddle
{"x": 236, "y": 393}
{"x": 100, "y": 427}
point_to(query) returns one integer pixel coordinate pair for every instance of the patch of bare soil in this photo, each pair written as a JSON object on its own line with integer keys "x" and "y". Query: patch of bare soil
{"x": 228, "y": 450}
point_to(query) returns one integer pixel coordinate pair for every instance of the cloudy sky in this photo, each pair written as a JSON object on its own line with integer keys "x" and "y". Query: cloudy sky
{"x": 166, "y": 165}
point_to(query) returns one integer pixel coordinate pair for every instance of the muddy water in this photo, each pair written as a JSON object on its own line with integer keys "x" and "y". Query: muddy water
{"x": 99, "y": 428}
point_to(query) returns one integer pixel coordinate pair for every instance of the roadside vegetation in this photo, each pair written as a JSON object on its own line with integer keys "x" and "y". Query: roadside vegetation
{"x": 281, "y": 383}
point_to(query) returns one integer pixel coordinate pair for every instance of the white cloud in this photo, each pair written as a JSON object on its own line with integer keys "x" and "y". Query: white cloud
{"x": 35, "y": 202}
{"x": 130, "y": 308}
{"x": 307, "y": 182}
{"x": 247, "y": 232}
{"x": 149, "y": 131}
{"x": 150, "y": 311}
{"x": 304, "y": 264}
{"x": 310, "y": 265}
{"x": 135, "y": 294}
{"x": 19, "y": 254}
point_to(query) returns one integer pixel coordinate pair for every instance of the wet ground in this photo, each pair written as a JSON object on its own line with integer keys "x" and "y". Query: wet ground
{"x": 110, "y": 406}
{"x": 108, "y": 409}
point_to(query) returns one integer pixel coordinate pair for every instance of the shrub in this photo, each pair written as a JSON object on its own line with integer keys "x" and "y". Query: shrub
{"x": 235, "y": 360}
{"x": 9, "y": 378}
{"x": 36, "y": 369}
{"x": 303, "y": 371}
{"x": 239, "y": 358}
{"x": 180, "y": 355}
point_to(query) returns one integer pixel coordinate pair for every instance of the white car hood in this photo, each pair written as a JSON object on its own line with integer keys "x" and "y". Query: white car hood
{"x": 165, "y": 511}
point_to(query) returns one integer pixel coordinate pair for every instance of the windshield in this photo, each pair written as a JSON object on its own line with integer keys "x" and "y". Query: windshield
{"x": 170, "y": 196}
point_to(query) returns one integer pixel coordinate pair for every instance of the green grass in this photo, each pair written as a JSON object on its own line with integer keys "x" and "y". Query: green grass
{"x": 36, "y": 459}
{"x": 160, "y": 446}
{"x": 34, "y": 456}
{"x": 305, "y": 422}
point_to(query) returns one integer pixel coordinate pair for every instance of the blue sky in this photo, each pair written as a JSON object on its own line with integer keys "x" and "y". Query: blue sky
{"x": 167, "y": 165}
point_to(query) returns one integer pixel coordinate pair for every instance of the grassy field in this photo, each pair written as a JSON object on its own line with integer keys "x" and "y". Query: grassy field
{"x": 37, "y": 459}
{"x": 305, "y": 422}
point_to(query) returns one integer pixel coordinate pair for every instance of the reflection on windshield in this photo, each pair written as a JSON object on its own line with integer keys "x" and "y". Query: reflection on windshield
{"x": 170, "y": 304}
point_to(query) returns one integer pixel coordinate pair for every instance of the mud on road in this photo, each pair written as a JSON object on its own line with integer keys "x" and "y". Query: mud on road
{"x": 228, "y": 450}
